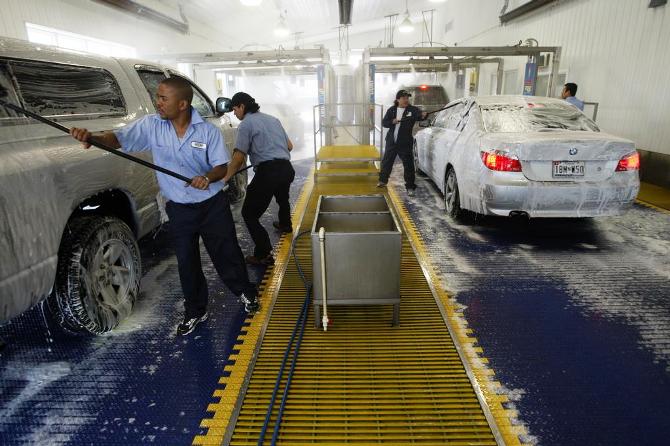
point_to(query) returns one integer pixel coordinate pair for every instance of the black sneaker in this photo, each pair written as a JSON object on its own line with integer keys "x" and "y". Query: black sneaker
{"x": 411, "y": 191}
{"x": 250, "y": 302}
{"x": 282, "y": 228}
{"x": 189, "y": 324}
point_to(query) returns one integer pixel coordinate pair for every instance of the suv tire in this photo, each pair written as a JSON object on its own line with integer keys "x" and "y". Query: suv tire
{"x": 98, "y": 275}
{"x": 237, "y": 189}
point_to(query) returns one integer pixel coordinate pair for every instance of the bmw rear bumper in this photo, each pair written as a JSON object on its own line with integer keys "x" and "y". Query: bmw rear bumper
{"x": 512, "y": 192}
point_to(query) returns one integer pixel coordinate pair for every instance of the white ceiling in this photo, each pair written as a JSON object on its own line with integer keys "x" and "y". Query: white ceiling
{"x": 254, "y": 26}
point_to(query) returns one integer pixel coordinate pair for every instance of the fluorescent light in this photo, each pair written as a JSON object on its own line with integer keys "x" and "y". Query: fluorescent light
{"x": 251, "y": 2}
{"x": 406, "y": 25}
{"x": 437, "y": 1}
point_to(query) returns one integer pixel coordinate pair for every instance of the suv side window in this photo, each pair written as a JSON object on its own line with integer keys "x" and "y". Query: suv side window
{"x": 60, "y": 90}
{"x": 12, "y": 98}
{"x": 151, "y": 78}
{"x": 200, "y": 100}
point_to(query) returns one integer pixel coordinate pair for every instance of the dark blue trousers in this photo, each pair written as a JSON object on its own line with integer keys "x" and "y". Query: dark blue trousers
{"x": 212, "y": 221}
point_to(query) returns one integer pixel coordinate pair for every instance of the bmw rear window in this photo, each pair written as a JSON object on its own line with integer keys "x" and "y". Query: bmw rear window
{"x": 534, "y": 117}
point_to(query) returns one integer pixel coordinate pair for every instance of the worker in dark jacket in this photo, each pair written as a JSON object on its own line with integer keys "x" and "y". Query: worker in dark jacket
{"x": 400, "y": 120}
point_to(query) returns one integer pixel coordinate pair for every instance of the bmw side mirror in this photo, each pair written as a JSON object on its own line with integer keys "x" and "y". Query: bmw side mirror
{"x": 425, "y": 123}
{"x": 223, "y": 105}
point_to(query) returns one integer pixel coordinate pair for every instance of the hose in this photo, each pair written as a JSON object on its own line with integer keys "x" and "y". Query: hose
{"x": 299, "y": 326}
{"x": 322, "y": 247}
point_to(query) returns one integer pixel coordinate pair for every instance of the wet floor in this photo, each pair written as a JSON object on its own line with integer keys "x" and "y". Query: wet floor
{"x": 574, "y": 317}
{"x": 139, "y": 384}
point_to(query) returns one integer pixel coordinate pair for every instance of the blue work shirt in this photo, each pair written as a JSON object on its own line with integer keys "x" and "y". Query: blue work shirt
{"x": 576, "y": 102}
{"x": 263, "y": 138}
{"x": 200, "y": 150}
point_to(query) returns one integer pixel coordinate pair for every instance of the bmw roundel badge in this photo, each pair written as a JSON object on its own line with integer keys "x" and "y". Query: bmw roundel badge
{"x": 573, "y": 151}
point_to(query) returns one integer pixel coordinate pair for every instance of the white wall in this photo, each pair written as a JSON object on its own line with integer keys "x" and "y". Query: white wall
{"x": 615, "y": 50}
{"x": 97, "y": 20}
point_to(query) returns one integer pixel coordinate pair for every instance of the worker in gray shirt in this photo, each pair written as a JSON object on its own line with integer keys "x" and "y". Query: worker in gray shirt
{"x": 264, "y": 139}
{"x": 569, "y": 94}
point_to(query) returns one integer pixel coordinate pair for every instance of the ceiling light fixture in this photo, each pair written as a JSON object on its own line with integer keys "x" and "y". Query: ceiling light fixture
{"x": 406, "y": 25}
{"x": 282, "y": 29}
{"x": 251, "y": 2}
{"x": 437, "y": 1}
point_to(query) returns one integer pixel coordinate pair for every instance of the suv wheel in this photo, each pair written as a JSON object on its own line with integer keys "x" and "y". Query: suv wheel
{"x": 452, "y": 204}
{"x": 237, "y": 189}
{"x": 98, "y": 276}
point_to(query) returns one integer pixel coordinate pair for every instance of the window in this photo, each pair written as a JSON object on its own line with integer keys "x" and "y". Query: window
{"x": 50, "y": 89}
{"x": 71, "y": 41}
{"x": 454, "y": 117}
{"x": 534, "y": 117}
{"x": 200, "y": 100}
{"x": 151, "y": 77}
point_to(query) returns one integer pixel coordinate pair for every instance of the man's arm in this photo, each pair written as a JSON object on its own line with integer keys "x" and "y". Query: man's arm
{"x": 290, "y": 144}
{"x": 239, "y": 159}
{"x": 107, "y": 138}
{"x": 388, "y": 120}
{"x": 214, "y": 175}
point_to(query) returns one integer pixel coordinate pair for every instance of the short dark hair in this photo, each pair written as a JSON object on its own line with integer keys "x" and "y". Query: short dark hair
{"x": 240, "y": 98}
{"x": 572, "y": 88}
{"x": 181, "y": 86}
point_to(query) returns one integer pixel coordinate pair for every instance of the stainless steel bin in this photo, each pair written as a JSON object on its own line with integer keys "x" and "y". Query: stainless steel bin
{"x": 362, "y": 253}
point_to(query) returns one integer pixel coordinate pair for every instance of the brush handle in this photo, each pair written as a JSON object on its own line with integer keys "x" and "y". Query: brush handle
{"x": 95, "y": 143}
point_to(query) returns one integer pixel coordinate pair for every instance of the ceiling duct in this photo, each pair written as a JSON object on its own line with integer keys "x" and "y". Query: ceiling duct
{"x": 150, "y": 14}
{"x": 524, "y": 9}
{"x": 345, "y": 11}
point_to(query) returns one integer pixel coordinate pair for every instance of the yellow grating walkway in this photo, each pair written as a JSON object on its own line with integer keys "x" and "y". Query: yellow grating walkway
{"x": 348, "y": 153}
{"x": 362, "y": 382}
{"x": 348, "y": 168}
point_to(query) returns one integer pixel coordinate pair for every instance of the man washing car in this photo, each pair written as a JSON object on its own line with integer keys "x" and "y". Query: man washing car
{"x": 182, "y": 141}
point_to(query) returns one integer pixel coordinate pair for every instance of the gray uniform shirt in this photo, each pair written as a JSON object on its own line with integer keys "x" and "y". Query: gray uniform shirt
{"x": 263, "y": 138}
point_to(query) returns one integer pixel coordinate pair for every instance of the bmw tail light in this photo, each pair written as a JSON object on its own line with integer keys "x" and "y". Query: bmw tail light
{"x": 501, "y": 163}
{"x": 629, "y": 162}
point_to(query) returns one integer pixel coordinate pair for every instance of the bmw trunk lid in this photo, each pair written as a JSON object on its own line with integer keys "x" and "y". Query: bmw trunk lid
{"x": 562, "y": 155}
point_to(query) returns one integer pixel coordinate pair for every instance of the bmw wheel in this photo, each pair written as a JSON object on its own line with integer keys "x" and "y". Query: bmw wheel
{"x": 452, "y": 204}
{"x": 415, "y": 151}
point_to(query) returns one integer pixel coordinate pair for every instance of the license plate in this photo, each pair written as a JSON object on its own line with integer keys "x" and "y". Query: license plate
{"x": 568, "y": 169}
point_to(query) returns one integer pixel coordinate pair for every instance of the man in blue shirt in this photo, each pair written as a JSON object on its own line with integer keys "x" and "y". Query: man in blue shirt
{"x": 263, "y": 138}
{"x": 569, "y": 94}
{"x": 181, "y": 141}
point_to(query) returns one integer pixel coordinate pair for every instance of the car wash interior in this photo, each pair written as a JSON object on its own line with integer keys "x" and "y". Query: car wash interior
{"x": 507, "y": 283}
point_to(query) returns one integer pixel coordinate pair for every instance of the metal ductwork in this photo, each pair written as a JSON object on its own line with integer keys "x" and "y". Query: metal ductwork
{"x": 345, "y": 11}
{"x": 150, "y": 14}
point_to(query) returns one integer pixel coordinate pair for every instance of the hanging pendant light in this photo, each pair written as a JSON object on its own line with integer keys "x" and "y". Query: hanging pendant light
{"x": 282, "y": 29}
{"x": 406, "y": 25}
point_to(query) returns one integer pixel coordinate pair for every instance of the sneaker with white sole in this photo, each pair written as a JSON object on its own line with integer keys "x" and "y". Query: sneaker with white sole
{"x": 381, "y": 184}
{"x": 189, "y": 324}
{"x": 250, "y": 302}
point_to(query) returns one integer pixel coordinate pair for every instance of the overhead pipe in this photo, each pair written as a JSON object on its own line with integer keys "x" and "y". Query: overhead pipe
{"x": 150, "y": 14}
{"x": 345, "y": 11}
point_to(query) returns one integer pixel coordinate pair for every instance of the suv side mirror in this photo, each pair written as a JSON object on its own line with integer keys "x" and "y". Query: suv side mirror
{"x": 223, "y": 105}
